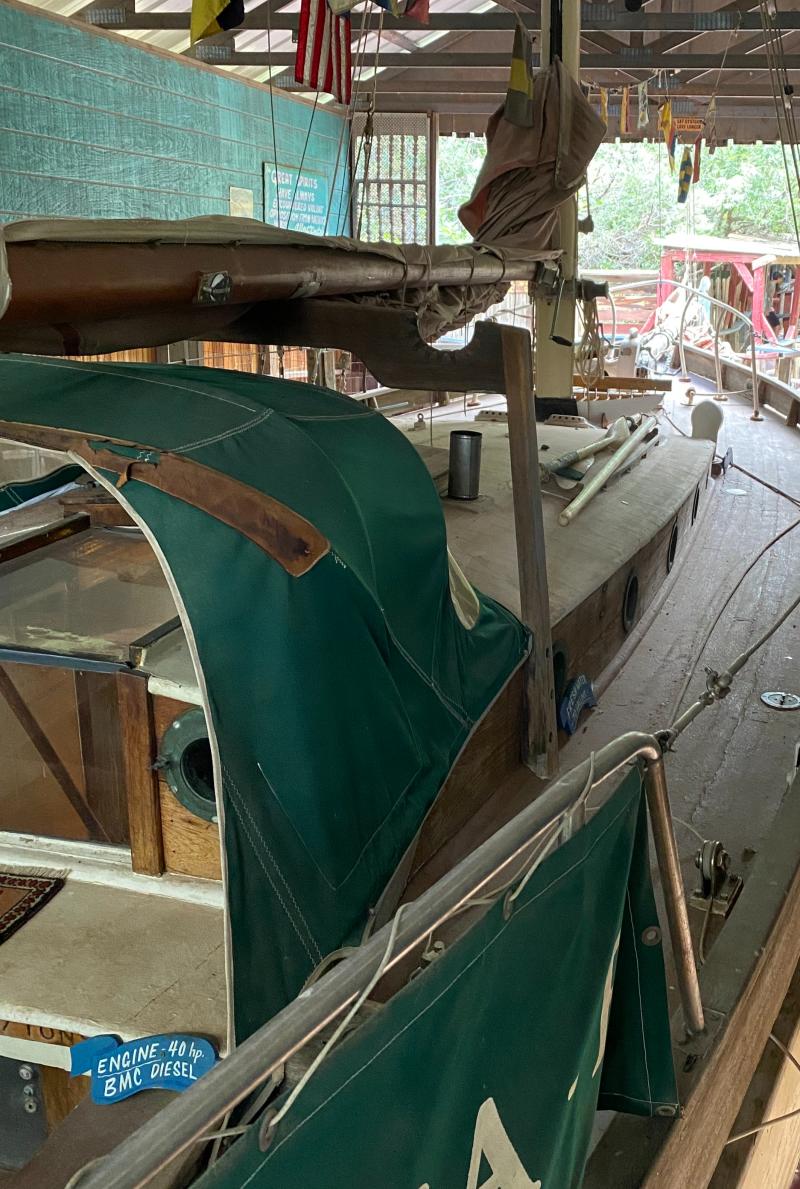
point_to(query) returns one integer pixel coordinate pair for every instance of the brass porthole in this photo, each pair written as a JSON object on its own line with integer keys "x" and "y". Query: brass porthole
{"x": 185, "y": 759}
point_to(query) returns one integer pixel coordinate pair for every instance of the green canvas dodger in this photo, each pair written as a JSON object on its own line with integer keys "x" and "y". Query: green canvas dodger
{"x": 338, "y": 700}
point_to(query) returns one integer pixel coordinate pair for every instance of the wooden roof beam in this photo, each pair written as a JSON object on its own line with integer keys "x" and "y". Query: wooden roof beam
{"x": 122, "y": 16}
{"x": 635, "y": 59}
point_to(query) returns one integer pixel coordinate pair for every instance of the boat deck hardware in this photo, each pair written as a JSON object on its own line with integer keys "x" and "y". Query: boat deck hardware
{"x": 781, "y": 700}
{"x": 717, "y": 881}
{"x": 559, "y": 339}
{"x": 23, "y": 1124}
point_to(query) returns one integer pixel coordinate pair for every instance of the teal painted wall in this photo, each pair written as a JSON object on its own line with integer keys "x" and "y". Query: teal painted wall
{"x": 94, "y": 126}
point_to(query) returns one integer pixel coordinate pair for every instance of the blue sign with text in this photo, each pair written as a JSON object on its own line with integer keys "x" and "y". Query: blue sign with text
{"x": 173, "y": 1061}
{"x": 578, "y": 695}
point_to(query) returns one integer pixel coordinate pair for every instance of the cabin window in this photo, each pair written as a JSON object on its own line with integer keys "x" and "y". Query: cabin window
{"x": 672, "y": 548}
{"x": 695, "y": 503}
{"x": 75, "y": 617}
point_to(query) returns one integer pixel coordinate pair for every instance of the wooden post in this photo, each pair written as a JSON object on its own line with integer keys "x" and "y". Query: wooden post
{"x": 794, "y": 309}
{"x": 140, "y": 779}
{"x": 760, "y": 323}
{"x": 433, "y": 174}
{"x": 541, "y": 743}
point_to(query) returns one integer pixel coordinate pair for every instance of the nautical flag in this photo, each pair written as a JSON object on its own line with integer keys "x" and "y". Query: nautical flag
{"x": 323, "y": 61}
{"x": 519, "y": 96}
{"x": 214, "y": 16}
{"x": 625, "y": 112}
{"x": 667, "y": 131}
{"x": 685, "y": 175}
{"x": 696, "y": 165}
{"x": 711, "y": 118}
{"x": 418, "y": 10}
{"x": 644, "y": 110}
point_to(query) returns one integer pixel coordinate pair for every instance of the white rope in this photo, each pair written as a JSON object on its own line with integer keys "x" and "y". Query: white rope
{"x": 342, "y": 1026}
{"x": 548, "y": 846}
{"x": 78, "y": 1176}
{"x": 591, "y": 350}
{"x": 688, "y": 826}
{"x": 779, "y": 1118}
{"x": 748, "y": 569}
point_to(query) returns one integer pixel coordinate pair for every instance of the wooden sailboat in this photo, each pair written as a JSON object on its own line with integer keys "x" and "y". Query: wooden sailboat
{"x": 137, "y": 729}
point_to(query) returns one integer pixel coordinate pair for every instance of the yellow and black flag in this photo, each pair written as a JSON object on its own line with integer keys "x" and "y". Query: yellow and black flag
{"x": 215, "y": 16}
{"x": 519, "y": 96}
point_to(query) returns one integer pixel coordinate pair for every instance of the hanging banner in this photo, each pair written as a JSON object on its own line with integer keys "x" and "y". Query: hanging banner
{"x": 665, "y": 124}
{"x": 644, "y": 106}
{"x": 604, "y": 105}
{"x": 624, "y": 112}
{"x": 685, "y": 175}
{"x": 696, "y": 163}
{"x": 488, "y": 1068}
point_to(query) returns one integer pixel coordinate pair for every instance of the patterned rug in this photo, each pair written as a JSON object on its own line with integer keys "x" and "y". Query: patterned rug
{"x": 21, "y": 897}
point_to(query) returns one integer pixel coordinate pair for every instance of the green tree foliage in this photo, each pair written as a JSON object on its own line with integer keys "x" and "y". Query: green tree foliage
{"x": 633, "y": 195}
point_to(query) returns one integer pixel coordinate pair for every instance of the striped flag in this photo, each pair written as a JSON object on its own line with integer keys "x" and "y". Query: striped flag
{"x": 323, "y": 60}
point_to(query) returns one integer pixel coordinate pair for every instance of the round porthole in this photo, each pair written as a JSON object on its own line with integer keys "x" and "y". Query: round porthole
{"x": 630, "y": 602}
{"x": 695, "y": 503}
{"x": 672, "y": 548}
{"x": 185, "y": 760}
{"x": 560, "y": 665}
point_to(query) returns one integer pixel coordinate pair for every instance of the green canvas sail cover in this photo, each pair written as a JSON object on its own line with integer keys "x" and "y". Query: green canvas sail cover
{"x": 339, "y": 696}
{"x": 488, "y": 1068}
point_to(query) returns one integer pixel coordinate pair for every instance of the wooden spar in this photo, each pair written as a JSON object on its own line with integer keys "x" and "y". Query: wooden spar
{"x": 102, "y": 281}
{"x": 554, "y": 313}
{"x": 541, "y": 744}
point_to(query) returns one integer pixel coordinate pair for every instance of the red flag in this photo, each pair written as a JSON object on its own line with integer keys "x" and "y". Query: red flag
{"x": 323, "y": 60}
{"x": 418, "y": 10}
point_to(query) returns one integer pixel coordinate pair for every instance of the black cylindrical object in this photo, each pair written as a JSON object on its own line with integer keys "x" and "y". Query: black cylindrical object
{"x": 465, "y": 464}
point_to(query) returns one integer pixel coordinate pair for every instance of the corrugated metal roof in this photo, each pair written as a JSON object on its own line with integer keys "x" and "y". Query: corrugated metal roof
{"x": 728, "y": 244}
